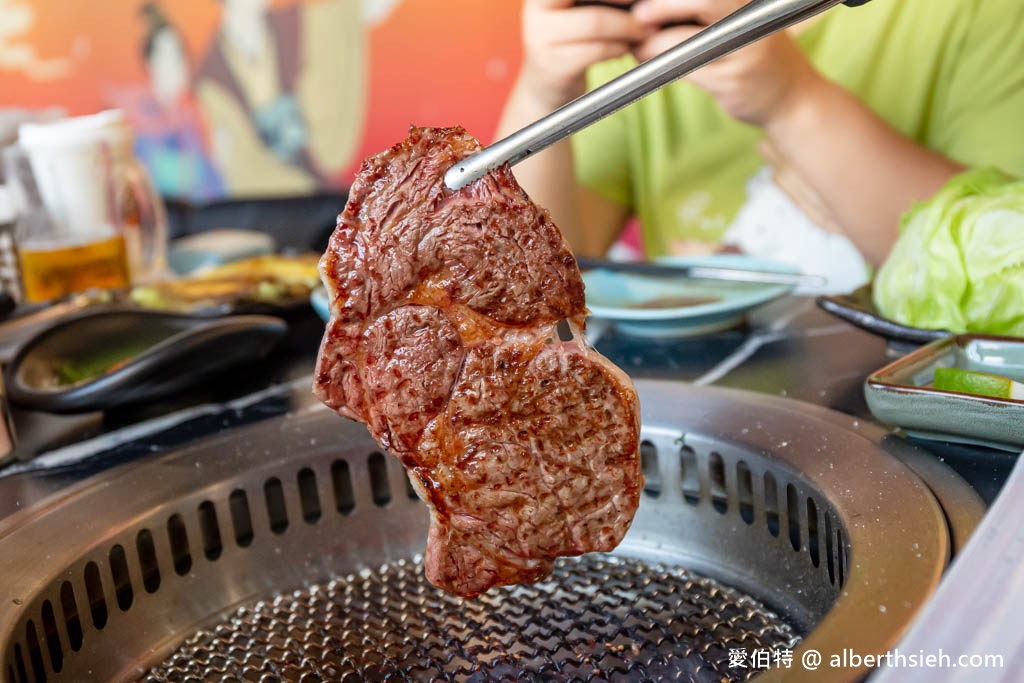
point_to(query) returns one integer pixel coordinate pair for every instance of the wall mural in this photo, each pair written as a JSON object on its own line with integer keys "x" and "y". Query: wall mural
{"x": 234, "y": 98}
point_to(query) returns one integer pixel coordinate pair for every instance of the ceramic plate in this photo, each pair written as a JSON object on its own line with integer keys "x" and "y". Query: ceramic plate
{"x": 320, "y": 304}
{"x": 100, "y": 360}
{"x": 652, "y": 306}
{"x": 901, "y": 394}
{"x": 858, "y": 307}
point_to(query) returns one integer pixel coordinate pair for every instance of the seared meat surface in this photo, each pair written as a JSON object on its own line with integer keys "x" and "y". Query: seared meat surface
{"x": 442, "y": 339}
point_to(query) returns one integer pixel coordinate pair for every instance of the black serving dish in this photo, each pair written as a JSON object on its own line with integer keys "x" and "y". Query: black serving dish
{"x": 858, "y": 307}
{"x": 110, "y": 358}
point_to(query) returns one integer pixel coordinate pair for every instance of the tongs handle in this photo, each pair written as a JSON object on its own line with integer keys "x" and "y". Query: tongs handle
{"x": 753, "y": 21}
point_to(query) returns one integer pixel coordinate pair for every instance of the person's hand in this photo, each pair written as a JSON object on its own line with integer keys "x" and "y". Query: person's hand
{"x": 754, "y": 84}
{"x": 561, "y": 42}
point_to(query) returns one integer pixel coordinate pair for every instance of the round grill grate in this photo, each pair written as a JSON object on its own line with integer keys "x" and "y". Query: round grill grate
{"x": 598, "y": 618}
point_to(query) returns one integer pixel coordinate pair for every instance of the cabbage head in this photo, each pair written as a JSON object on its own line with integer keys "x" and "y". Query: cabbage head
{"x": 958, "y": 264}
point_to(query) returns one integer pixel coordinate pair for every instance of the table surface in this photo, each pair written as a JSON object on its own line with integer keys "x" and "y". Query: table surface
{"x": 788, "y": 348}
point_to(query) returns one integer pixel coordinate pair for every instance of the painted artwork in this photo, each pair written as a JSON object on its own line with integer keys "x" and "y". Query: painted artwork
{"x": 257, "y": 98}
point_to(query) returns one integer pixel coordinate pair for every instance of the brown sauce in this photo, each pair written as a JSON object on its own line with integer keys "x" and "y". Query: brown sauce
{"x": 675, "y": 302}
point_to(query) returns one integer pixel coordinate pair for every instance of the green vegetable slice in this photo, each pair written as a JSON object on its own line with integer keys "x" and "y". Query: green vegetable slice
{"x": 981, "y": 383}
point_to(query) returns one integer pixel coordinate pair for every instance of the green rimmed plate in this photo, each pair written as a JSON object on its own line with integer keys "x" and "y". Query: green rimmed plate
{"x": 653, "y": 306}
{"x": 901, "y": 394}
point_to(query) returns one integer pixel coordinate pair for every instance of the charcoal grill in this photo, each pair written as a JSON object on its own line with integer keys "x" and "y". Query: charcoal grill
{"x": 289, "y": 551}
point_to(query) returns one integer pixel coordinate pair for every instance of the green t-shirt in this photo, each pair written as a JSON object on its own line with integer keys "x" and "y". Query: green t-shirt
{"x": 947, "y": 73}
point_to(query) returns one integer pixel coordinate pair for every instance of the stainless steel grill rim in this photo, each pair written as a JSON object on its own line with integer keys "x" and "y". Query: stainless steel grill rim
{"x": 811, "y": 518}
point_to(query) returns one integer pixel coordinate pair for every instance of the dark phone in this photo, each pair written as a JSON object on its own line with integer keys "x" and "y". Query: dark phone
{"x": 603, "y": 3}
{"x": 625, "y": 7}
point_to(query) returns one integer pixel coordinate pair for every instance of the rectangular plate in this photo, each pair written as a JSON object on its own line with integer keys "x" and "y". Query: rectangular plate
{"x": 900, "y": 394}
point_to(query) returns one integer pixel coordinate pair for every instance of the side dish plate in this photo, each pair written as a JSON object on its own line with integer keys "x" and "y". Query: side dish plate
{"x": 901, "y": 394}
{"x": 651, "y": 306}
{"x": 858, "y": 308}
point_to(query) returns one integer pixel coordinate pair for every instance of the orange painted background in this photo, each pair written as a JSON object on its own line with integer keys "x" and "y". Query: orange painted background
{"x": 431, "y": 62}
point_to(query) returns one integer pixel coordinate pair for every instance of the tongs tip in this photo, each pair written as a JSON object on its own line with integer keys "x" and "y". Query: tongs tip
{"x": 457, "y": 177}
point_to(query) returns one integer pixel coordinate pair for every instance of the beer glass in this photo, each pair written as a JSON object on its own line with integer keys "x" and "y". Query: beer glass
{"x": 88, "y": 215}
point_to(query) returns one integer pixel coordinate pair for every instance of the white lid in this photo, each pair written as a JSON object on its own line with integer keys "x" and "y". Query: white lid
{"x": 110, "y": 126}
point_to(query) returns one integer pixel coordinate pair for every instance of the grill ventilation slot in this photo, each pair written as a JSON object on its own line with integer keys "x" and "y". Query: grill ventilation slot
{"x": 830, "y": 549}
{"x": 147, "y": 561}
{"x": 771, "y": 504}
{"x": 745, "y": 490}
{"x": 308, "y": 496}
{"x": 793, "y": 515}
{"x": 97, "y": 601}
{"x": 719, "y": 493}
{"x": 649, "y": 466}
{"x": 241, "y": 519}
{"x": 71, "y": 621}
{"x": 19, "y": 661}
{"x": 180, "y": 551}
{"x": 690, "y": 476}
{"x": 52, "y": 639}
{"x": 379, "y": 479}
{"x": 122, "y": 582}
{"x": 812, "y": 532}
{"x": 842, "y": 558}
{"x": 277, "y": 512}
{"x": 35, "y": 653}
{"x": 210, "y": 529}
{"x": 341, "y": 480}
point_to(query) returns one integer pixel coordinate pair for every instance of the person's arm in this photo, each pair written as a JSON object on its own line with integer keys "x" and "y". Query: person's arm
{"x": 865, "y": 172}
{"x": 560, "y": 43}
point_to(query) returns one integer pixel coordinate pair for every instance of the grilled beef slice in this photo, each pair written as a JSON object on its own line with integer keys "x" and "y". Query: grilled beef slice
{"x": 442, "y": 339}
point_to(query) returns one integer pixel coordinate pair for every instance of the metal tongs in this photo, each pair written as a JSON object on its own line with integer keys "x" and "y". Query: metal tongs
{"x": 702, "y": 272}
{"x": 755, "y": 20}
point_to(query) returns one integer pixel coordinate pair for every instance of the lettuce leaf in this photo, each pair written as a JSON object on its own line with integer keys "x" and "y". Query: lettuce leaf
{"x": 958, "y": 264}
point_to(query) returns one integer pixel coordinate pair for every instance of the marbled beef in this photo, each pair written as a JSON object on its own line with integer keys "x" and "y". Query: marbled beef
{"x": 442, "y": 339}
